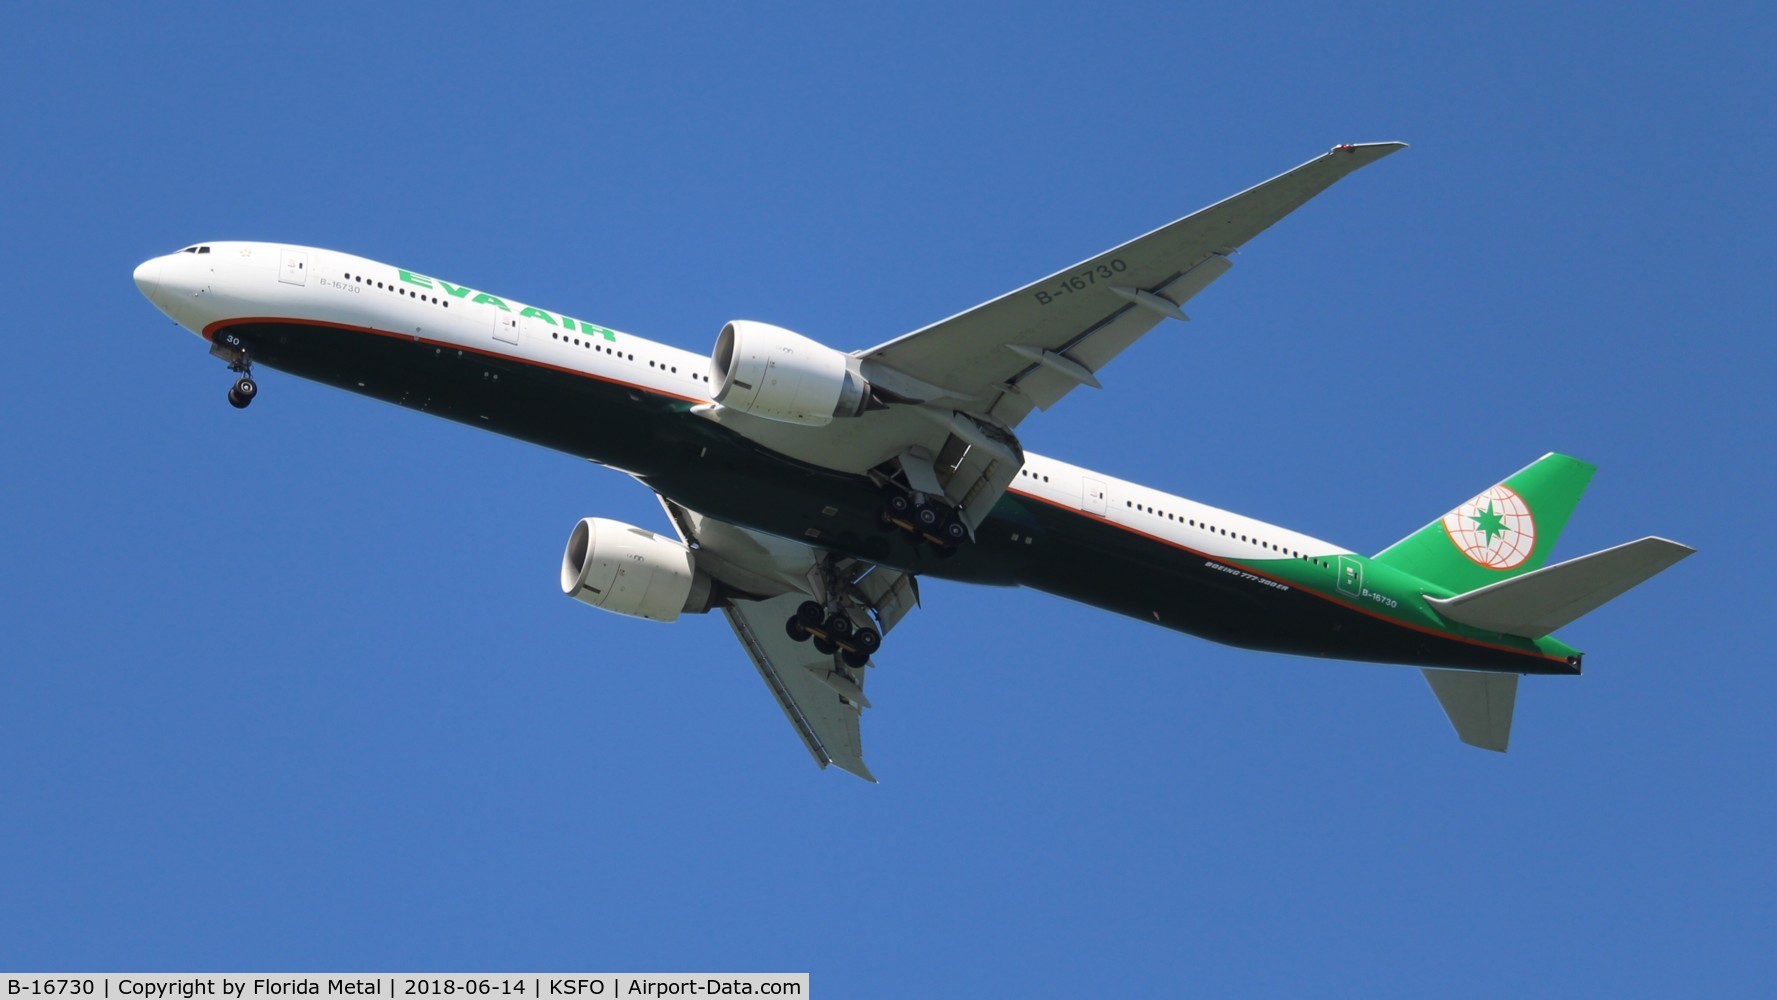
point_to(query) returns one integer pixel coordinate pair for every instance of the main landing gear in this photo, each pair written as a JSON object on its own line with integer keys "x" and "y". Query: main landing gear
{"x": 925, "y": 519}
{"x": 833, "y": 632}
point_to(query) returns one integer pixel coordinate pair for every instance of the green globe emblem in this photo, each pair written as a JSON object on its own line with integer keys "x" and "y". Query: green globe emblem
{"x": 1494, "y": 529}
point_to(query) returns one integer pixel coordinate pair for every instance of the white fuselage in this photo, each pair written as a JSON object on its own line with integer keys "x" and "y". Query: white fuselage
{"x": 216, "y": 284}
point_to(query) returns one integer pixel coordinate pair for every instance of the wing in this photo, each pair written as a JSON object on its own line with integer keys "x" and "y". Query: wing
{"x": 770, "y": 577}
{"x": 954, "y": 391}
{"x": 1031, "y": 346}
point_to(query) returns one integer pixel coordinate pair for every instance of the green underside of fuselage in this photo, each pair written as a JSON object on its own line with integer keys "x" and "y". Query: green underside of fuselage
{"x": 698, "y": 463}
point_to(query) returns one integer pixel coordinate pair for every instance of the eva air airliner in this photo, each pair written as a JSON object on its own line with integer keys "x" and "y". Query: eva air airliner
{"x": 808, "y": 488}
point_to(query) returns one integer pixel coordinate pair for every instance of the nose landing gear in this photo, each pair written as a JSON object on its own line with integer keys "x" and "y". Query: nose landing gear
{"x": 230, "y": 348}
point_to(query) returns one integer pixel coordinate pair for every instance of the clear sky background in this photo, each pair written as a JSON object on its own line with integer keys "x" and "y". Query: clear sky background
{"x": 295, "y": 688}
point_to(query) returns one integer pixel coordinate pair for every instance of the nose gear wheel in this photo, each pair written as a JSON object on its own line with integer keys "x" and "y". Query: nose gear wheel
{"x": 230, "y": 348}
{"x": 242, "y": 392}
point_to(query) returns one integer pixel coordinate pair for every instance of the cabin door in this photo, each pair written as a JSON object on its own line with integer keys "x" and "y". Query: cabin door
{"x": 505, "y": 327}
{"x": 1093, "y": 491}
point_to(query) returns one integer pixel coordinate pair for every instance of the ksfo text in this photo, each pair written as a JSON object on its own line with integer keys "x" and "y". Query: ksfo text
{"x": 681, "y": 986}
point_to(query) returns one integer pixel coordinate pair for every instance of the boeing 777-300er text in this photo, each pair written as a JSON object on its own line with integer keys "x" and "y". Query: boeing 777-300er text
{"x": 809, "y": 488}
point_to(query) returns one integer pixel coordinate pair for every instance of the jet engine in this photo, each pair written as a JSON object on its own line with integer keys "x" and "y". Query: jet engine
{"x": 622, "y": 568}
{"x": 769, "y": 372}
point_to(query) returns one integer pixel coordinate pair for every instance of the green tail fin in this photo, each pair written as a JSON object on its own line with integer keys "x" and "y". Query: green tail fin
{"x": 1506, "y": 530}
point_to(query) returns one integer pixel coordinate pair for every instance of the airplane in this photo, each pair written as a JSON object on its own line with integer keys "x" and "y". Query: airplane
{"x": 808, "y": 488}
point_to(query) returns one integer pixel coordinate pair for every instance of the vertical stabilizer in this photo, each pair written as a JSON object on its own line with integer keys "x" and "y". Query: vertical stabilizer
{"x": 1505, "y": 530}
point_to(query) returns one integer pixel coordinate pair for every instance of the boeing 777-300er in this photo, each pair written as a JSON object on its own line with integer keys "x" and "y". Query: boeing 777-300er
{"x": 809, "y": 488}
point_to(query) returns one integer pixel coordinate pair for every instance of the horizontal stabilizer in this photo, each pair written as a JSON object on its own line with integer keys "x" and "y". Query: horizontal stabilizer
{"x": 1479, "y": 705}
{"x": 1537, "y": 603}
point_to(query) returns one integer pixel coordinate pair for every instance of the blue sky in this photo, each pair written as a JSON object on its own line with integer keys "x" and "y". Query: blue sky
{"x": 295, "y": 688}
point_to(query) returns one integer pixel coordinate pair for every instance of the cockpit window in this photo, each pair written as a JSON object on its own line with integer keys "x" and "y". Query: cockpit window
{"x": 195, "y": 250}
{"x": 203, "y": 249}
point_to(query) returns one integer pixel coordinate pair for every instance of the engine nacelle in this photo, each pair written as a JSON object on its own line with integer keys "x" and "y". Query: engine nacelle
{"x": 620, "y": 567}
{"x": 769, "y": 372}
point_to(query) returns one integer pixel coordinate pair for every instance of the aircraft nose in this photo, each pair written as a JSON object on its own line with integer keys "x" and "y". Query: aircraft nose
{"x": 148, "y": 277}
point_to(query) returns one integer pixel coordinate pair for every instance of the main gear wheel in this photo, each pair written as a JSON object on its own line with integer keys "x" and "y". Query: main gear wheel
{"x": 833, "y": 632}
{"x": 924, "y": 519}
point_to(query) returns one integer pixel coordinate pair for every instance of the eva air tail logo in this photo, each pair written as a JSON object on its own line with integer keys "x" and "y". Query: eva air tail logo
{"x": 1494, "y": 529}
